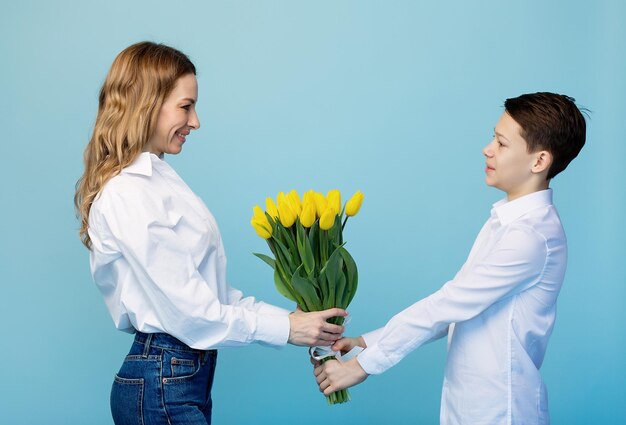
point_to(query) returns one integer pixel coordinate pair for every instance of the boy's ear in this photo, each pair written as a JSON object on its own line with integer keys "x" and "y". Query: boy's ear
{"x": 542, "y": 162}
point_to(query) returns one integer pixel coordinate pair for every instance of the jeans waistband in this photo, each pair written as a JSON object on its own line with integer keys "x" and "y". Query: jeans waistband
{"x": 163, "y": 340}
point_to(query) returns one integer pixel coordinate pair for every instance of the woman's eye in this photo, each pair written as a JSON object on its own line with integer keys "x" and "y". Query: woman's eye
{"x": 186, "y": 107}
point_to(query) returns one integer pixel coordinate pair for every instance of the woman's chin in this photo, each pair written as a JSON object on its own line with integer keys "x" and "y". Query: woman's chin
{"x": 175, "y": 150}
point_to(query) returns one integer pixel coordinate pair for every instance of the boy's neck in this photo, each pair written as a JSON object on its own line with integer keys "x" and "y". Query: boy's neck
{"x": 538, "y": 186}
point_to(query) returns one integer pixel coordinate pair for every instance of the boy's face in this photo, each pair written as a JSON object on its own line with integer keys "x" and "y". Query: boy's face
{"x": 508, "y": 164}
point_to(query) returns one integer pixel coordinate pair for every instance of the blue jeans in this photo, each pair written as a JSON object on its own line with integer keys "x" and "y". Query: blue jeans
{"x": 163, "y": 381}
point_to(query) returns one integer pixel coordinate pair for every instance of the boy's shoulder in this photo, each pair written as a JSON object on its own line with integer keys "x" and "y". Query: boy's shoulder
{"x": 535, "y": 211}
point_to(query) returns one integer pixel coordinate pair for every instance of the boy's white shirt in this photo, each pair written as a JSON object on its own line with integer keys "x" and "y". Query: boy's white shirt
{"x": 498, "y": 311}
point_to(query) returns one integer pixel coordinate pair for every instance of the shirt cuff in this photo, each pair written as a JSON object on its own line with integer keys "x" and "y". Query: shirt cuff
{"x": 374, "y": 361}
{"x": 371, "y": 338}
{"x": 272, "y": 329}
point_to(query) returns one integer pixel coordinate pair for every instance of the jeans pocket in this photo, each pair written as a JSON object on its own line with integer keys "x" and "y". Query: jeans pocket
{"x": 127, "y": 401}
{"x": 191, "y": 391}
{"x": 180, "y": 365}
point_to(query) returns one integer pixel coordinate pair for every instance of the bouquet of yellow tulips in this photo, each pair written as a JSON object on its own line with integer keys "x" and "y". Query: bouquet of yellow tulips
{"x": 311, "y": 265}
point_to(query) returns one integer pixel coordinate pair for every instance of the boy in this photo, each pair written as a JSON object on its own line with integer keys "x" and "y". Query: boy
{"x": 499, "y": 310}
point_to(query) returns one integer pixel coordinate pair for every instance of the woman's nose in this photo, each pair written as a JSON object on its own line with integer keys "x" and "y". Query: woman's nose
{"x": 194, "y": 121}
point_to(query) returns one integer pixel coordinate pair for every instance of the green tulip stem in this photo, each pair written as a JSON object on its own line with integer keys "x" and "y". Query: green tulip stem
{"x": 324, "y": 246}
{"x": 344, "y": 223}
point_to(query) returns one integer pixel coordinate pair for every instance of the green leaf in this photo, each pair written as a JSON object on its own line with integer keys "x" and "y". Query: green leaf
{"x": 283, "y": 289}
{"x": 335, "y": 232}
{"x": 322, "y": 284}
{"x": 286, "y": 279}
{"x": 314, "y": 240}
{"x": 315, "y": 282}
{"x": 306, "y": 290}
{"x": 304, "y": 249}
{"x": 352, "y": 276}
{"x": 284, "y": 256}
{"x": 331, "y": 269}
{"x": 271, "y": 219}
{"x": 286, "y": 237}
{"x": 269, "y": 260}
{"x": 340, "y": 290}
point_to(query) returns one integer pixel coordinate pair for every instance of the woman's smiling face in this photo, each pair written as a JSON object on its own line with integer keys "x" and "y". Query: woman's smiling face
{"x": 176, "y": 119}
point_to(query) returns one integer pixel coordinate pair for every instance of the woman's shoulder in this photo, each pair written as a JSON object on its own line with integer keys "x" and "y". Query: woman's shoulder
{"x": 121, "y": 186}
{"x": 133, "y": 180}
{"x": 126, "y": 191}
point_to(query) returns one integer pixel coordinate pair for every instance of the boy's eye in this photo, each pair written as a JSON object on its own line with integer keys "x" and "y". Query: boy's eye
{"x": 186, "y": 107}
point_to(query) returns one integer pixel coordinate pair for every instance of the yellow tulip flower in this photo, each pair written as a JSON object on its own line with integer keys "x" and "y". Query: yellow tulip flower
{"x": 280, "y": 198}
{"x": 294, "y": 201}
{"x": 258, "y": 212}
{"x": 308, "y": 197}
{"x": 354, "y": 204}
{"x": 271, "y": 208}
{"x": 320, "y": 203}
{"x": 263, "y": 228}
{"x": 334, "y": 200}
{"x": 328, "y": 218}
{"x": 307, "y": 216}
{"x": 285, "y": 214}
{"x": 260, "y": 223}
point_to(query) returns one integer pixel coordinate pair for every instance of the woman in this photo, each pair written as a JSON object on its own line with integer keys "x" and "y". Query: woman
{"x": 156, "y": 252}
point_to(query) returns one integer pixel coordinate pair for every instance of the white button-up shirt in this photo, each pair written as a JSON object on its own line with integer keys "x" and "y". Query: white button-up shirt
{"x": 159, "y": 261}
{"x": 498, "y": 311}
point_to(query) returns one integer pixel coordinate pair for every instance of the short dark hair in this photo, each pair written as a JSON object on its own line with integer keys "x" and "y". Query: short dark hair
{"x": 550, "y": 122}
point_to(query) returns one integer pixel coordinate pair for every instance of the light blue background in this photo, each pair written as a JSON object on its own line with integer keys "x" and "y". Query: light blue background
{"x": 394, "y": 98}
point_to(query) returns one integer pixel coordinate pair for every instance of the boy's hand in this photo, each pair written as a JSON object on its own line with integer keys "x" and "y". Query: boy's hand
{"x": 346, "y": 344}
{"x": 334, "y": 375}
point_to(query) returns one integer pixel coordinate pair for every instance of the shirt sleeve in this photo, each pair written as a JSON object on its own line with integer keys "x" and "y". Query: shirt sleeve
{"x": 170, "y": 295}
{"x": 515, "y": 263}
{"x": 372, "y": 337}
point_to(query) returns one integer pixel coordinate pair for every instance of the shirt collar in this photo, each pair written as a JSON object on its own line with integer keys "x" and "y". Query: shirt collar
{"x": 142, "y": 165}
{"x": 509, "y": 211}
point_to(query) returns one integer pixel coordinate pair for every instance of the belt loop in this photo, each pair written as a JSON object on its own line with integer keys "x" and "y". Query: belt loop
{"x": 146, "y": 347}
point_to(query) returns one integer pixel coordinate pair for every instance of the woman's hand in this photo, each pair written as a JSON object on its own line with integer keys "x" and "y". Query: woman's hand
{"x": 310, "y": 329}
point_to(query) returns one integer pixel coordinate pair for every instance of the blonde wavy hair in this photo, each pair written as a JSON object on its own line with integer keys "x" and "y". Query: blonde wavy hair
{"x": 140, "y": 79}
